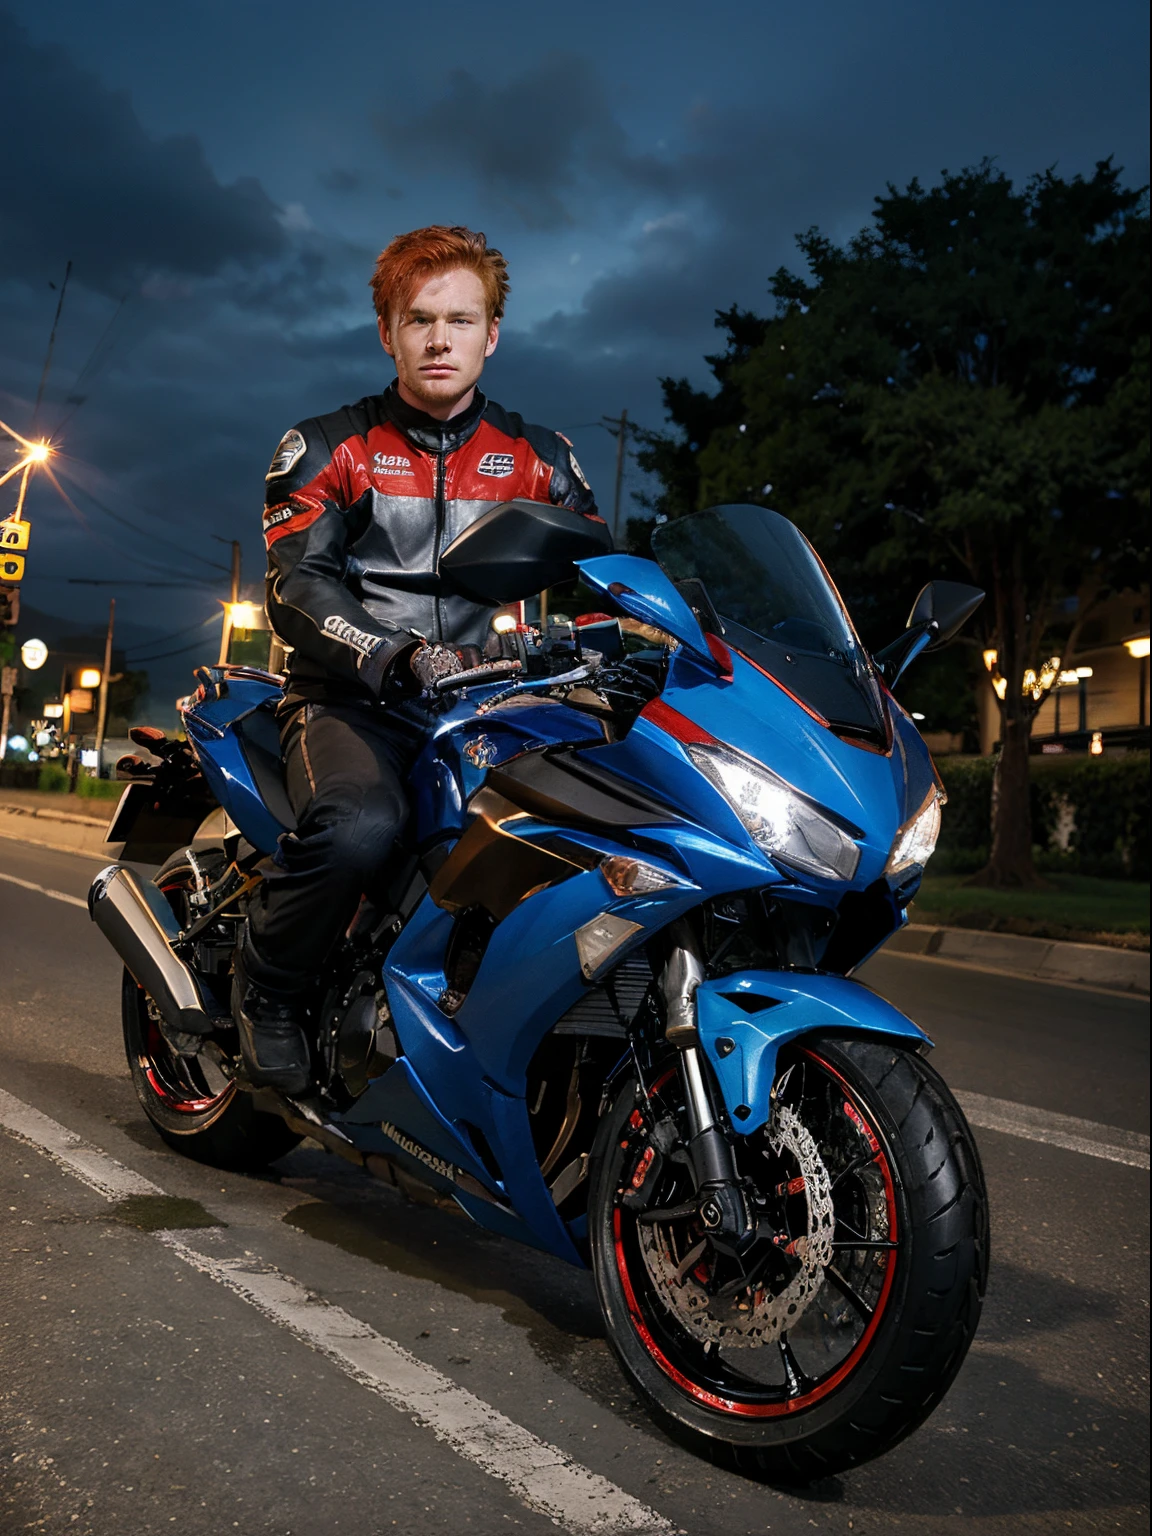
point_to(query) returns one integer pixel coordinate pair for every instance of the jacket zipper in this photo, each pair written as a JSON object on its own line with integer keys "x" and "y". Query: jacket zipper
{"x": 438, "y": 616}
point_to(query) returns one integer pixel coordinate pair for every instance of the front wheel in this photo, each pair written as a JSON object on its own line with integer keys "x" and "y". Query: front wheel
{"x": 840, "y": 1330}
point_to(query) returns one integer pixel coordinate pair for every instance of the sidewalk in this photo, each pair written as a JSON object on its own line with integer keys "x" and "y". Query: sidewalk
{"x": 63, "y": 822}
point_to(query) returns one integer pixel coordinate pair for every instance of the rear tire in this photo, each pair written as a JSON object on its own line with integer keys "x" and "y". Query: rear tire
{"x": 194, "y": 1107}
{"x": 925, "y": 1267}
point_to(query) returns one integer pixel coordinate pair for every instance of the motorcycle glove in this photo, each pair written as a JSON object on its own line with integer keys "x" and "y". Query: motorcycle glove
{"x": 429, "y": 663}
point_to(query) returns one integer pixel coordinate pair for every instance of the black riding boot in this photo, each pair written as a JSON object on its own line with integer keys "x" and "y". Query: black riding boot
{"x": 273, "y": 1042}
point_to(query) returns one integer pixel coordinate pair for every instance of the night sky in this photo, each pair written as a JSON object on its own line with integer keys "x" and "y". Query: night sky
{"x": 222, "y": 176}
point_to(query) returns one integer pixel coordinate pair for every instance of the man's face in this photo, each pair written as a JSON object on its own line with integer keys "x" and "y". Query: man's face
{"x": 440, "y": 342}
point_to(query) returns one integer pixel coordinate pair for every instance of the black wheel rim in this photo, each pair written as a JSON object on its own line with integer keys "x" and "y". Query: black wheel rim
{"x": 720, "y": 1341}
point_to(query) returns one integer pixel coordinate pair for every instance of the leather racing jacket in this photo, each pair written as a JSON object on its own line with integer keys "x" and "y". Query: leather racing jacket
{"x": 360, "y": 503}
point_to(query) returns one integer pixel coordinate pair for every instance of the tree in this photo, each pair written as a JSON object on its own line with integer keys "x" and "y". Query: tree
{"x": 126, "y": 690}
{"x": 961, "y": 390}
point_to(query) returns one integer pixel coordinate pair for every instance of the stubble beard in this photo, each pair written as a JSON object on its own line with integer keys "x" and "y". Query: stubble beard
{"x": 438, "y": 393}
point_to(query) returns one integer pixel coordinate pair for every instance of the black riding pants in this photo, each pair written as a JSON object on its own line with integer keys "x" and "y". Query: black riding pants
{"x": 345, "y": 770}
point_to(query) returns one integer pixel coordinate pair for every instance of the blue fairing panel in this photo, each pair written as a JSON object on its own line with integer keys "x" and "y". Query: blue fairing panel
{"x": 801, "y": 1004}
{"x": 210, "y": 727}
{"x": 643, "y": 590}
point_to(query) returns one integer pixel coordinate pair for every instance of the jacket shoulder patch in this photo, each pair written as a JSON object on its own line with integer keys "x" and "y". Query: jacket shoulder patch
{"x": 575, "y": 463}
{"x": 292, "y": 447}
{"x": 497, "y": 465}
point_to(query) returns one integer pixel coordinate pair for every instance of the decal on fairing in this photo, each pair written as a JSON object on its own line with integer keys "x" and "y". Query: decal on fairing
{"x": 480, "y": 752}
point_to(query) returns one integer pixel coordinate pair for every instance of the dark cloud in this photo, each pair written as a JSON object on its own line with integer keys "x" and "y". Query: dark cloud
{"x": 337, "y": 179}
{"x": 80, "y": 178}
{"x": 530, "y": 142}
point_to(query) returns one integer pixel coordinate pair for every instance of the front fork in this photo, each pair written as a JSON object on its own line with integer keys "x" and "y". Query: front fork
{"x": 722, "y": 1203}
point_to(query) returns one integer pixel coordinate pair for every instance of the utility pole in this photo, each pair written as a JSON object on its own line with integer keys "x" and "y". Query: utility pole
{"x": 51, "y": 344}
{"x": 7, "y": 689}
{"x": 226, "y": 626}
{"x": 618, "y": 426}
{"x": 102, "y": 716}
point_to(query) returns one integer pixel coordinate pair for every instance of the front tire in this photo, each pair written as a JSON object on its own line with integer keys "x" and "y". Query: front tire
{"x": 870, "y": 1180}
{"x": 195, "y": 1107}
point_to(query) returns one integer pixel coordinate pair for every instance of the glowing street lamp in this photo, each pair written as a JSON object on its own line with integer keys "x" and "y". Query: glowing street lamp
{"x": 89, "y": 677}
{"x": 245, "y": 616}
{"x": 33, "y": 653}
{"x": 35, "y": 455}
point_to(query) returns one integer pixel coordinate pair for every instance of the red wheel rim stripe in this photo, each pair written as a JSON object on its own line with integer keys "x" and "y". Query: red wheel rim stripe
{"x": 159, "y": 1087}
{"x": 806, "y": 1400}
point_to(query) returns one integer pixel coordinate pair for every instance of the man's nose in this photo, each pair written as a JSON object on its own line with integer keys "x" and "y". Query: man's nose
{"x": 439, "y": 338}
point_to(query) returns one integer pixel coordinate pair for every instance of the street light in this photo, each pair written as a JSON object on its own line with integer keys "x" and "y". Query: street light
{"x": 33, "y": 653}
{"x": 89, "y": 677}
{"x": 1137, "y": 647}
{"x": 245, "y": 616}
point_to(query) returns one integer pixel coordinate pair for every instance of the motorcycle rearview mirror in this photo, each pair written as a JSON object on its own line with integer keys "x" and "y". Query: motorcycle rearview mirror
{"x": 940, "y": 611}
{"x": 946, "y": 604}
{"x": 521, "y": 547}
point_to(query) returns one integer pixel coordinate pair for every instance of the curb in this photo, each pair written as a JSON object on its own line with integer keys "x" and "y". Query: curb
{"x": 1055, "y": 960}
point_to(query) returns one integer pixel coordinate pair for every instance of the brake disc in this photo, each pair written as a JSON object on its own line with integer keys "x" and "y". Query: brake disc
{"x": 745, "y": 1320}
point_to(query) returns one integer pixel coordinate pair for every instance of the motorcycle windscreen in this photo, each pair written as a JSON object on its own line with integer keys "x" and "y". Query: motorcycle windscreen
{"x": 779, "y": 608}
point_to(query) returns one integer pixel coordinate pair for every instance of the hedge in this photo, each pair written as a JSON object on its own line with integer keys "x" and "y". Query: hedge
{"x": 54, "y": 779}
{"x": 1089, "y": 814}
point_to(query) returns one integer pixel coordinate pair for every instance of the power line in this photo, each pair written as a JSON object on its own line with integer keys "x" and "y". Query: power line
{"x": 175, "y": 635}
{"x": 99, "y": 356}
{"x": 163, "y": 656}
{"x": 149, "y": 534}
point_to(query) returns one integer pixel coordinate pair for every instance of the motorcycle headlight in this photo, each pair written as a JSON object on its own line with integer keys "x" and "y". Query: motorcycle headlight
{"x": 785, "y": 823}
{"x": 915, "y": 841}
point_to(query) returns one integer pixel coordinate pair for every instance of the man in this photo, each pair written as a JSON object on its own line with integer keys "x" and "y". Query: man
{"x": 360, "y": 503}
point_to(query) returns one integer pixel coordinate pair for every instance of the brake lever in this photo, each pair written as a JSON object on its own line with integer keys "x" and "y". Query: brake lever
{"x": 488, "y": 672}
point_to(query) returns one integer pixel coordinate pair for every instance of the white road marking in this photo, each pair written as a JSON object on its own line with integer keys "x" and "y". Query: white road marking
{"x": 543, "y": 1477}
{"x": 45, "y": 890}
{"x": 1086, "y": 1136}
{"x": 539, "y": 1474}
{"x": 99, "y": 1171}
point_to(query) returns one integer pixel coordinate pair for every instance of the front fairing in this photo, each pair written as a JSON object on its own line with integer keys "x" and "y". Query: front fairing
{"x": 875, "y": 791}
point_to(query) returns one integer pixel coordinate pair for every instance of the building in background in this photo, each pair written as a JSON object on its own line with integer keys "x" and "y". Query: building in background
{"x": 1102, "y": 699}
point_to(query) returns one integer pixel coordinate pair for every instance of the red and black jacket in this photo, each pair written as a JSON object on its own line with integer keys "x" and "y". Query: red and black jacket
{"x": 359, "y": 506}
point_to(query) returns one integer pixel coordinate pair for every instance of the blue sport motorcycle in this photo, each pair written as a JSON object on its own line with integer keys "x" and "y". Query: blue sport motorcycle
{"x": 602, "y": 1002}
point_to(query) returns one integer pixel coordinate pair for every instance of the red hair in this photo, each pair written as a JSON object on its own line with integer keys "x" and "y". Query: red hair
{"x": 407, "y": 262}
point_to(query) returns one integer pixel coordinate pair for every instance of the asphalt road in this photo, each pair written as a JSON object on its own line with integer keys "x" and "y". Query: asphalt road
{"x": 141, "y": 1394}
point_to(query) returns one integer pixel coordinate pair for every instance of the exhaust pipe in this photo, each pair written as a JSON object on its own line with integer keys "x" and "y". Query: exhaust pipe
{"x": 141, "y": 927}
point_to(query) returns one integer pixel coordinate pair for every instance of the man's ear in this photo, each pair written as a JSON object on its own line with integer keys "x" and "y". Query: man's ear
{"x": 493, "y": 337}
{"x": 385, "y": 337}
